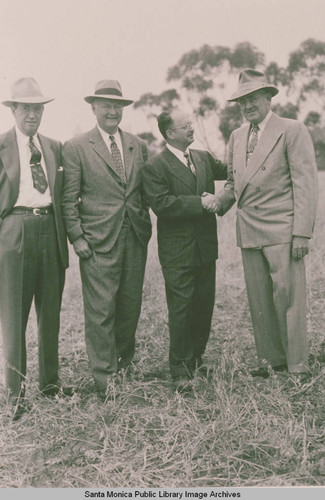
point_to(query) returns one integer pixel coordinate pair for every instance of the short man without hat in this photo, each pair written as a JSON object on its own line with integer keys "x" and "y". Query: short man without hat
{"x": 33, "y": 246}
{"x": 272, "y": 175}
{"x": 108, "y": 224}
{"x": 176, "y": 182}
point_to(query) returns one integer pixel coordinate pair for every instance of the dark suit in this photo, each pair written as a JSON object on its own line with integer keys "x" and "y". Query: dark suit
{"x": 113, "y": 218}
{"x": 33, "y": 258}
{"x": 188, "y": 249}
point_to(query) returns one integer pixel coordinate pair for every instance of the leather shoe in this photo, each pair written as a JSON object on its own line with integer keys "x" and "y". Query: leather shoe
{"x": 280, "y": 368}
{"x": 182, "y": 385}
{"x": 260, "y": 372}
{"x": 263, "y": 372}
{"x": 301, "y": 377}
{"x": 19, "y": 410}
{"x": 54, "y": 390}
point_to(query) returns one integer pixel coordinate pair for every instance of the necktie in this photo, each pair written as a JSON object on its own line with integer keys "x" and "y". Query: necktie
{"x": 117, "y": 159}
{"x": 253, "y": 139}
{"x": 39, "y": 179}
{"x": 189, "y": 163}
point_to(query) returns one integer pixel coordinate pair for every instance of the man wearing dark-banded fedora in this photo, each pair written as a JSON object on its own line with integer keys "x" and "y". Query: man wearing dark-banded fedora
{"x": 33, "y": 247}
{"x": 272, "y": 175}
{"x": 108, "y": 224}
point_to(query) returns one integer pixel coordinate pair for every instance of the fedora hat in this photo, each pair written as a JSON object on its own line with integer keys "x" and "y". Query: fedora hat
{"x": 26, "y": 91}
{"x": 109, "y": 89}
{"x": 249, "y": 81}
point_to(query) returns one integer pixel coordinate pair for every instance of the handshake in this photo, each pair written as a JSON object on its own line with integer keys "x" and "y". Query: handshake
{"x": 210, "y": 202}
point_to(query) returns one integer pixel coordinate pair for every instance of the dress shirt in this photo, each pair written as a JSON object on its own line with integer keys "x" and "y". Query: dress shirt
{"x": 29, "y": 196}
{"x": 179, "y": 154}
{"x": 108, "y": 142}
{"x": 262, "y": 125}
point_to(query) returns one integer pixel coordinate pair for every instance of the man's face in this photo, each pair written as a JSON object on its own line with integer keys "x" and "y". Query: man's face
{"x": 108, "y": 114}
{"x": 181, "y": 132}
{"x": 255, "y": 106}
{"x": 28, "y": 117}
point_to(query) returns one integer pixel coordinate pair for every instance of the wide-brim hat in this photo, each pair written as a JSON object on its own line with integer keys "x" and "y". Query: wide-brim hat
{"x": 249, "y": 81}
{"x": 26, "y": 91}
{"x": 108, "y": 89}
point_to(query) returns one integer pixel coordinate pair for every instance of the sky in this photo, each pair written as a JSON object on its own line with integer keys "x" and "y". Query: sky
{"x": 69, "y": 45}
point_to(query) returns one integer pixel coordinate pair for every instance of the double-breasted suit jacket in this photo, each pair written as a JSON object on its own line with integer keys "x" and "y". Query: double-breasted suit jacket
{"x": 188, "y": 249}
{"x": 276, "y": 195}
{"x": 113, "y": 218}
{"x": 33, "y": 258}
{"x": 276, "y": 192}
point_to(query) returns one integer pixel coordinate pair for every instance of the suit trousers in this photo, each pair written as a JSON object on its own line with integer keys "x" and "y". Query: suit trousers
{"x": 276, "y": 289}
{"x": 30, "y": 267}
{"x": 190, "y": 293}
{"x": 112, "y": 293}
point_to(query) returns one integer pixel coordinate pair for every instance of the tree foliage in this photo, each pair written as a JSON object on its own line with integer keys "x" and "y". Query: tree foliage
{"x": 203, "y": 79}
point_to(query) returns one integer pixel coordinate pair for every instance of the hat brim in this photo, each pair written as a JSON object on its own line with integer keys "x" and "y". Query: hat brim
{"x": 28, "y": 100}
{"x": 250, "y": 89}
{"x": 120, "y": 100}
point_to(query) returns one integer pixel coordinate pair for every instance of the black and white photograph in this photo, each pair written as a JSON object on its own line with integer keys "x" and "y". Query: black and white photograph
{"x": 162, "y": 249}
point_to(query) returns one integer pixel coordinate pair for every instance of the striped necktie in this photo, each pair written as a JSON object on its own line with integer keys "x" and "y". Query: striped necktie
{"x": 189, "y": 163}
{"x": 39, "y": 179}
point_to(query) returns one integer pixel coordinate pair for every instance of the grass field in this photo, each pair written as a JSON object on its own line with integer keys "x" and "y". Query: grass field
{"x": 234, "y": 431}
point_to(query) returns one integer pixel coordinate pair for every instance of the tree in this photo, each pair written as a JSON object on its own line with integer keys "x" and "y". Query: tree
{"x": 202, "y": 78}
{"x": 306, "y": 70}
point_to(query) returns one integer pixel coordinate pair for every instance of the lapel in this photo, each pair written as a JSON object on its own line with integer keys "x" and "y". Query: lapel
{"x": 49, "y": 160}
{"x": 199, "y": 165}
{"x": 9, "y": 155}
{"x": 266, "y": 143}
{"x": 98, "y": 144}
{"x": 128, "y": 152}
{"x": 179, "y": 170}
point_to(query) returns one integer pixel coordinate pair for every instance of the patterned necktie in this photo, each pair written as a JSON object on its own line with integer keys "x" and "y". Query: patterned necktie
{"x": 189, "y": 163}
{"x": 253, "y": 139}
{"x": 39, "y": 179}
{"x": 117, "y": 159}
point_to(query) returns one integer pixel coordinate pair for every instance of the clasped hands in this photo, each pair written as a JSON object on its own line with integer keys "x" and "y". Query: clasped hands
{"x": 210, "y": 202}
{"x": 300, "y": 244}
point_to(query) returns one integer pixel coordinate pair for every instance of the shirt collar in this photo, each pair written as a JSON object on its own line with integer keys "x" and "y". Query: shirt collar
{"x": 178, "y": 153}
{"x": 262, "y": 124}
{"x": 24, "y": 139}
{"x": 105, "y": 135}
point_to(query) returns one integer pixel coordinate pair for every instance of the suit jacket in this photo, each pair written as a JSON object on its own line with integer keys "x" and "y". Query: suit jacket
{"x": 10, "y": 178}
{"x": 95, "y": 200}
{"x": 276, "y": 192}
{"x": 187, "y": 235}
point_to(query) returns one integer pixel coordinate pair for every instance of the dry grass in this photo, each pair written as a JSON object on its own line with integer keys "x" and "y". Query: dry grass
{"x": 233, "y": 431}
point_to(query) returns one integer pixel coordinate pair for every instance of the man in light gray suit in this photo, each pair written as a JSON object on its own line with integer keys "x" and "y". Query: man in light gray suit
{"x": 273, "y": 177}
{"x": 108, "y": 223}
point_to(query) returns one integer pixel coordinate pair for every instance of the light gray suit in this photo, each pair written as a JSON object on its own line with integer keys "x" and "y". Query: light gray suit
{"x": 276, "y": 196}
{"x": 114, "y": 220}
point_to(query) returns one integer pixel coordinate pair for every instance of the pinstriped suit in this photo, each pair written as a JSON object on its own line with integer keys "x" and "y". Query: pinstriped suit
{"x": 33, "y": 258}
{"x": 188, "y": 249}
{"x": 113, "y": 218}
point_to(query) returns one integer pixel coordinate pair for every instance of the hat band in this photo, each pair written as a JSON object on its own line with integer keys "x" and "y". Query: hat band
{"x": 108, "y": 92}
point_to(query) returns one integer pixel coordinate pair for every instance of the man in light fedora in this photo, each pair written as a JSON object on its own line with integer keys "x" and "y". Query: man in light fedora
{"x": 33, "y": 247}
{"x": 108, "y": 224}
{"x": 273, "y": 177}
